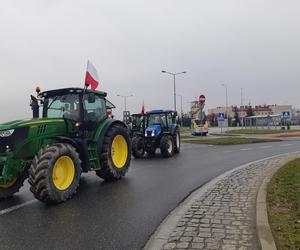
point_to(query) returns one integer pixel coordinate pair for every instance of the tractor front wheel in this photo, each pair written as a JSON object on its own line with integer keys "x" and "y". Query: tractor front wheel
{"x": 167, "y": 146}
{"x": 9, "y": 189}
{"x": 138, "y": 147}
{"x": 55, "y": 173}
{"x": 115, "y": 154}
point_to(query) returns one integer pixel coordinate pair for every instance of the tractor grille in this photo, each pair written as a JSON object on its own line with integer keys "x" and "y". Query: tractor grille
{"x": 41, "y": 129}
{"x": 149, "y": 133}
{"x": 12, "y": 141}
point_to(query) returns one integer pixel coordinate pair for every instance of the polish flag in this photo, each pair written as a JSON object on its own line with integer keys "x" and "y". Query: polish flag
{"x": 91, "y": 76}
{"x": 143, "y": 109}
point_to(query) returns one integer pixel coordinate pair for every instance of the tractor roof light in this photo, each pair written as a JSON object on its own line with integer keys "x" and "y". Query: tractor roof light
{"x": 38, "y": 89}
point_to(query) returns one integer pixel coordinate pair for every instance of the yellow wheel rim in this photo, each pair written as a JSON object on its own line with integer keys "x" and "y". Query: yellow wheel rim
{"x": 119, "y": 151}
{"x": 63, "y": 172}
{"x": 9, "y": 184}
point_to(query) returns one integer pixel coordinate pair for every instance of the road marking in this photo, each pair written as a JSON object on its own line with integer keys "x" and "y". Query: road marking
{"x": 266, "y": 147}
{"x": 245, "y": 149}
{"x": 13, "y": 208}
{"x": 286, "y": 145}
{"x": 228, "y": 151}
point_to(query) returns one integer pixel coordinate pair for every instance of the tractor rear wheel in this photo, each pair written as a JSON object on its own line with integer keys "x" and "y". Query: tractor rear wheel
{"x": 138, "y": 147}
{"x": 9, "y": 189}
{"x": 115, "y": 154}
{"x": 167, "y": 146}
{"x": 55, "y": 173}
{"x": 177, "y": 142}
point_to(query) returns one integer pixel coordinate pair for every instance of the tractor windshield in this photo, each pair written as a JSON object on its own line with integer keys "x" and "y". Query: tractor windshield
{"x": 157, "y": 119}
{"x": 62, "y": 106}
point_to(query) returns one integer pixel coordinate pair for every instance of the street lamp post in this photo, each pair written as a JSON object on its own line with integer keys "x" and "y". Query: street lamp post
{"x": 174, "y": 79}
{"x": 224, "y": 85}
{"x": 125, "y": 101}
{"x": 181, "y": 111}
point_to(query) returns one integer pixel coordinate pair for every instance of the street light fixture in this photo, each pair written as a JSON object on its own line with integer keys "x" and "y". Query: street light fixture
{"x": 174, "y": 76}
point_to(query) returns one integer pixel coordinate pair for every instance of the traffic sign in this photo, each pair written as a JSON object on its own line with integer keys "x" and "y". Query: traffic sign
{"x": 221, "y": 116}
{"x": 202, "y": 99}
{"x": 286, "y": 114}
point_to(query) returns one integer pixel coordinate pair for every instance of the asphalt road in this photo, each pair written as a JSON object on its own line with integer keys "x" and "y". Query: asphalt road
{"x": 123, "y": 215}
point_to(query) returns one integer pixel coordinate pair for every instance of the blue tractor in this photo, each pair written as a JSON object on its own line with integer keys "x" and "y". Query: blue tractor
{"x": 157, "y": 130}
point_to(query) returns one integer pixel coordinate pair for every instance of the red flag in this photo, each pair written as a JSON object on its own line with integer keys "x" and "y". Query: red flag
{"x": 91, "y": 76}
{"x": 143, "y": 109}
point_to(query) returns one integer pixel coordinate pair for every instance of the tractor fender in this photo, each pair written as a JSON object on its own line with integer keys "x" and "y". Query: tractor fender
{"x": 107, "y": 126}
{"x": 81, "y": 147}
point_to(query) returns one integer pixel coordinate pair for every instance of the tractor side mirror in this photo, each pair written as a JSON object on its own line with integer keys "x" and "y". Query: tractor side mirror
{"x": 91, "y": 98}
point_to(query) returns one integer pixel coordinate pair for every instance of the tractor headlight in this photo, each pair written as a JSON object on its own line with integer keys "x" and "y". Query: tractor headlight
{"x": 6, "y": 133}
{"x": 153, "y": 133}
{"x": 145, "y": 133}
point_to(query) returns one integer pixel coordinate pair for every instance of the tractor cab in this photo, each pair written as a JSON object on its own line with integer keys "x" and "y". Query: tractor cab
{"x": 158, "y": 121}
{"x": 161, "y": 131}
{"x": 80, "y": 108}
{"x": 137, "y": 123}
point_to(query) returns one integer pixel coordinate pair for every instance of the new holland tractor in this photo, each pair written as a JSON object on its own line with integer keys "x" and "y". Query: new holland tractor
{"x": 158, "y": 129}
{"x": 73, "y": 135}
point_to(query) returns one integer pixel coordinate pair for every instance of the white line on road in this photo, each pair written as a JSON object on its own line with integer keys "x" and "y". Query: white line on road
{"x": 266, "y": 147}
{"x": 13, "y": 208}
{"x": 246, "y": 149}
{"x": 286, "y": 145}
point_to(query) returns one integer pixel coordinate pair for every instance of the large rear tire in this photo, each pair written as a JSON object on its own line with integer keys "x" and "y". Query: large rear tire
{"x": 167, "y": 146}
{"x": 55, "y": 173}
{"x": 7, "y": 190}
{"x": 138, "y": 147}
{"x": 115, "y": 154}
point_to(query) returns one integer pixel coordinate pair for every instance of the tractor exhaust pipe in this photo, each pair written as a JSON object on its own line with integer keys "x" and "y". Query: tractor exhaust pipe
{"x": 35, "y": 107}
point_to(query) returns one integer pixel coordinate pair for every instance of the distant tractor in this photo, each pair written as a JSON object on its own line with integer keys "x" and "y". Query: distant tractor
{"x": 137, "y": 124}
{"x": 74, "y": 135}
{"x": 158, "y": 130}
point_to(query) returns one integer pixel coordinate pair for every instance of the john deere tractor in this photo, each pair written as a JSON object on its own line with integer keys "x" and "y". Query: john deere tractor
{"x": 158, "y": 129}
{"x": 73, "y": 135}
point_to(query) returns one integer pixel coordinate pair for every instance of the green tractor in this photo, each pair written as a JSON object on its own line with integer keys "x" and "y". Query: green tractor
{"x": 74, "y": 135}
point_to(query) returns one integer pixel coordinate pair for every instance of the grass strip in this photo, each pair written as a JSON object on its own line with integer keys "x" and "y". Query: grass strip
{"x": 283, "y": 202}
{"x": 229, "y": 141}
{"x": 259, "y": 132}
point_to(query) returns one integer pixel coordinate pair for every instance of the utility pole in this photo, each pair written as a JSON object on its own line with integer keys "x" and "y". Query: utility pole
{"x": 174, "y": 79}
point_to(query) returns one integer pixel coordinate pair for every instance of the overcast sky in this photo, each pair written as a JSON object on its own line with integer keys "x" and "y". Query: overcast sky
{"x": 251, "y": 44}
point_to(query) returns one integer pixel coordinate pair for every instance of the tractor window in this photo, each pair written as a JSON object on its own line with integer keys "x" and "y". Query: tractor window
{"x": 170, "y": 119}
{"x": 94, "y": 111}
{"x": 64, "y": 106}
{"x": 157, "y": 119}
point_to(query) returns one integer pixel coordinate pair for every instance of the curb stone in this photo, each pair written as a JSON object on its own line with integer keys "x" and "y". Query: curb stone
{"x": 263, "y": 228}
{"x": 163, "y": 233}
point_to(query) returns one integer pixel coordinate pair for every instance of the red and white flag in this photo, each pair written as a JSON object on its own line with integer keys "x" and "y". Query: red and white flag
{"x": 91, "y": 76}
{"x": 143, "y": 109}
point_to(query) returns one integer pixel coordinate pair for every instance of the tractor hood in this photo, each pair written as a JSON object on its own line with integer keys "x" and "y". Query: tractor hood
{"x": 155, "y": 128}
{"x": 28, "y": 122}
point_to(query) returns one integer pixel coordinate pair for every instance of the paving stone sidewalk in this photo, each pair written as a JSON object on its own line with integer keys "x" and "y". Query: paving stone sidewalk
{"x": 224, "y": 217}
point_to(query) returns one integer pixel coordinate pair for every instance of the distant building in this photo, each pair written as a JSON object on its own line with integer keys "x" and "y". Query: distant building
{"x": 257, "y": 110}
